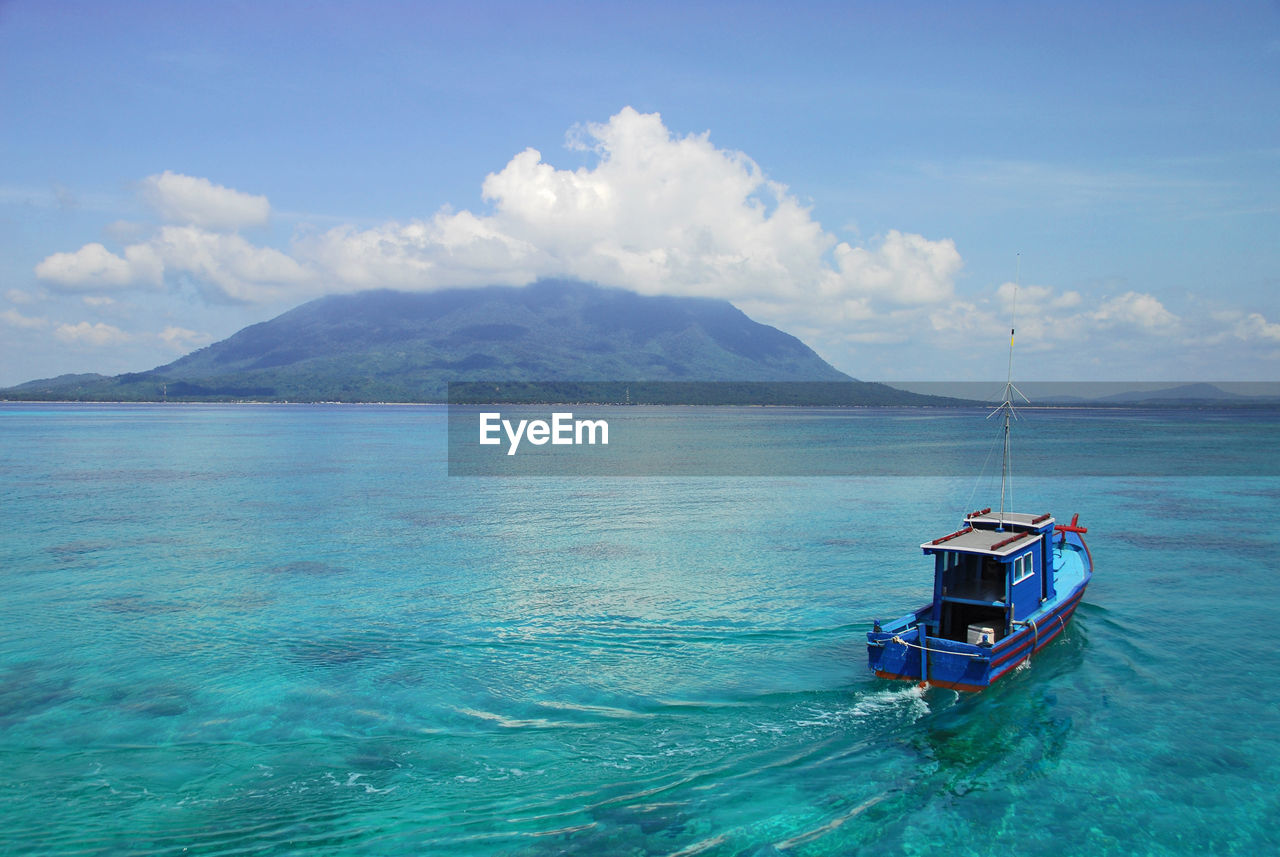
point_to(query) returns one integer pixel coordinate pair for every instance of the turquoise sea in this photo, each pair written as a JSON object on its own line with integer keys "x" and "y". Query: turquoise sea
{"x": 286, "y": 629}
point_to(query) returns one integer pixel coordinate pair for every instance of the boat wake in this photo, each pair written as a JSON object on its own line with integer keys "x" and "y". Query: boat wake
{"x": 910, "y": 699}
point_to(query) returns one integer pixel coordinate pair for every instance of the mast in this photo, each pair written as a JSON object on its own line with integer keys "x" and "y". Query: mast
{"x": 1006, "y": 406}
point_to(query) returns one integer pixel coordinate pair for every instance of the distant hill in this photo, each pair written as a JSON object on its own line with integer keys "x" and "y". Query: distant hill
{"x": 395, "y": 346}
{"x": 1182, "y": 393}
{"x": 1196, "y": 394}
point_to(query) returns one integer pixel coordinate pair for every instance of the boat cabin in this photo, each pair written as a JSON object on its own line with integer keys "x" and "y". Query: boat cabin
{"x": 994, "y": 572}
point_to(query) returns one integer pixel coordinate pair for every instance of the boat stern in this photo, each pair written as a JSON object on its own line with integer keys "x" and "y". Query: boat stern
{"x": 895, "y": 654}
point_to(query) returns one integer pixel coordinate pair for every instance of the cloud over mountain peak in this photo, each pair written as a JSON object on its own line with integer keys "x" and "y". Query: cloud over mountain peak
{"x": 657, "y": 212}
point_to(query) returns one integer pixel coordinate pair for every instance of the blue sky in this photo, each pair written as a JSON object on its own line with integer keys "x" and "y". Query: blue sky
{"x": 871, "y": 177}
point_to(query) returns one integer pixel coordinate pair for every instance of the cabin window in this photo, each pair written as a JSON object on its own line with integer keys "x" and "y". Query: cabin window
{"x": 1022, "y": 568}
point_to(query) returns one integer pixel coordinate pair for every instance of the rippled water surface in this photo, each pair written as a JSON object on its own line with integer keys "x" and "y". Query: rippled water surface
{"x": 244, "y": 629}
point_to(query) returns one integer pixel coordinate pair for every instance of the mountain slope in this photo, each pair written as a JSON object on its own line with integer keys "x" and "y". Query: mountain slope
{"x": 403, "y": 346}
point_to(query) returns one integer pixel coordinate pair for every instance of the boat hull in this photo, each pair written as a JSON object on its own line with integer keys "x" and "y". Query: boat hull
{"x": 958, "y": 666}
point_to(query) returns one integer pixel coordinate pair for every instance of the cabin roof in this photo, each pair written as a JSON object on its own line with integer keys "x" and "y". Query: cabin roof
{"x": 998, "y": 543}
{"x": 1016, "y": 518}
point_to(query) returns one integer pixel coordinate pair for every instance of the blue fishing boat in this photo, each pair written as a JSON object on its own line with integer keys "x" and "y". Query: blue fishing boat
{"x": 1004, "y": 586}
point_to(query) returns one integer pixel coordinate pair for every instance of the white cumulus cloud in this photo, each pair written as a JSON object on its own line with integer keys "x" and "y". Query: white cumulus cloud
{"x": 1255, "y": 326}
{"x": 904, "y": 269}
{"x": 194, "y": 201}
{"x": 227, "y": 265}
{"x": 93, "y": 268}
{"x": 182, "y": 340}
{"x": 1135, "y": 308}
{"x": 662, "y": 213}
{"x": 448, "y": 250}
{"x": 13, "y": 318}
{"x": 97, "y": 334}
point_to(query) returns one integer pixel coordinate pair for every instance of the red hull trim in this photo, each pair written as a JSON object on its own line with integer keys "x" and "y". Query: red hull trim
{"x": 1059, "y": 617}
{"x": 964, "y": 688}
{"x": 950, "y": 685}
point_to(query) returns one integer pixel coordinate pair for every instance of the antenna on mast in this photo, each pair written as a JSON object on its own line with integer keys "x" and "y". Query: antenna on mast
{"x": 1006, "y": 406}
